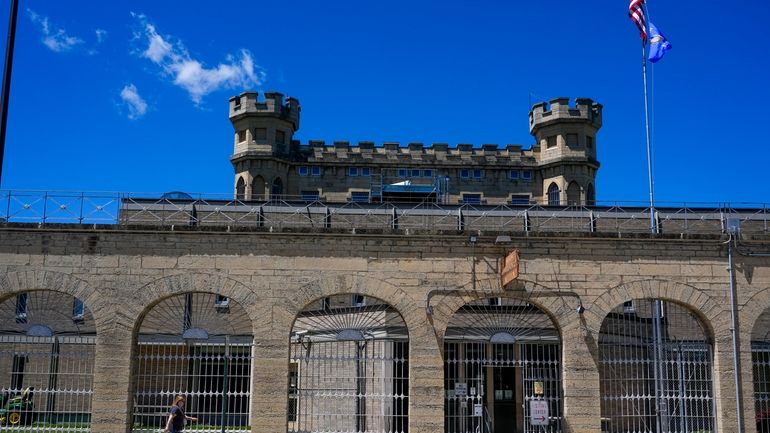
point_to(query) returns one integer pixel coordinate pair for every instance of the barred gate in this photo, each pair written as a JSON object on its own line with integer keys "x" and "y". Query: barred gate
{"x": 500, "y": 355}
{"x": 655, "y": 370}
{"x": 349, "y": 367}
{"x": 47, "y": 342}
{"x": 198, "y": 345}
{"x": 760, "y": 361}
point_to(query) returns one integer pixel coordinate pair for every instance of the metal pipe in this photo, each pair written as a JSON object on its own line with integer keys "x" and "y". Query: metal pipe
{"x": 734, "y": 332}
{"x": 5, "y": 95}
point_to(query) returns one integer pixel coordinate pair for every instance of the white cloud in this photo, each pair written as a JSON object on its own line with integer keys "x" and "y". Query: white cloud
{"x": 137, "y": 107}
{"x": 101, "y": 35}
{"x": 191, "y": 74}
{"x": 55, "y": 38}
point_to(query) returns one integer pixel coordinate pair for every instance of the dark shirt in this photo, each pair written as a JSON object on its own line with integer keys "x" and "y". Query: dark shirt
{"x": 177, "y": 423}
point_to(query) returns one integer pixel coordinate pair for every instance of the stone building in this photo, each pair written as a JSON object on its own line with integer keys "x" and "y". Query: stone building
{"x": 287, "y": 315}
{"x": 560, "y": 168}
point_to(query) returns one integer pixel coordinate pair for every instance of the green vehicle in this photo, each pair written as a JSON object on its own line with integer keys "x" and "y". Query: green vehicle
{"x": 16, "y": 410}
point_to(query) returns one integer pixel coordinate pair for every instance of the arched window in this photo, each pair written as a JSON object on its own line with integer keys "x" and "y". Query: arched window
{"x": 276, "y": 191}
{"x": 655, "y": 369}
{"x": 500, "y": 354}
{"x": 47, "y": 360}
{"x": 258, "y": 188}
{"x": 760, "y": 362}
{"x": 590, "y": 195}
{"x": 348, "y": 367}
{"x": 573, "y": 194}
{"x": 240, "y": 189}
{"x": 199, "y": 345}
{"x": 553, "y": 195}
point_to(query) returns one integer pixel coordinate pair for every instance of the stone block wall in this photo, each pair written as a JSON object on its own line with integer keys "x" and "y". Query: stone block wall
{"x": 121, "y": 272}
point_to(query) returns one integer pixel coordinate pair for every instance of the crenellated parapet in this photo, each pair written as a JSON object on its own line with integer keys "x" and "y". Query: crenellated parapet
{"x": 273, "y": 105}
{"x": 559, "y": 111}
{"x": 317, "y": 151}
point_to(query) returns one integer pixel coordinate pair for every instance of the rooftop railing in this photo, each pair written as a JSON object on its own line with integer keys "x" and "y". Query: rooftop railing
{"x": 201, "y": 210}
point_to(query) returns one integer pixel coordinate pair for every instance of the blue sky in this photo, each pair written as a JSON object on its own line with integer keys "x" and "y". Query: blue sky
{"x": 132, "y": 96}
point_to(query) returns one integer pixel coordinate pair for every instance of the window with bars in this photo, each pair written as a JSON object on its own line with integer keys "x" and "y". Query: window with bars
{"x": 472, "y": 199}
{"x": 260, "y": 134}
{"x": 359, "y": 196}
{"x": 572, "y": 140}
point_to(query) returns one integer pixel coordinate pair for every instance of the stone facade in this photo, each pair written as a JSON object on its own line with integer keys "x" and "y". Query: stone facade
{"x": 121, "y": 272}
{"x": 269, "y": 163}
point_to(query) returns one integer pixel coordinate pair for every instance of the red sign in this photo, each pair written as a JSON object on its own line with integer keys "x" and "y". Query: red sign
{"x": 509, "y": 270}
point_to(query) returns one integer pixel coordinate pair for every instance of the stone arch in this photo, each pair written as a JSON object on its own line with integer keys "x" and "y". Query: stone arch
{"x": 346, "y": 330}
{"x": 240, "y": 188}
{"x": 276, "y": 188}
{"x": 590, "y": 195}
{"x": 754, "y": 308}
{"x": 692, "y": 339}
{"x": 200, "y": 328}
{"x": 710, "y": 311}
{"x": 516, "y": 331}
{"x": 561, "y": 309}
{"x": 48, "y": 350}
{"x": 553, "y": 195}
{"x": 158, "y": 290}
{"x": 258, "y": 188}
{"x": 573, "y": 194}
{"x": 396, "y": 297}
{"x": 13, "y": 283}
{"x": 755, "y": 357}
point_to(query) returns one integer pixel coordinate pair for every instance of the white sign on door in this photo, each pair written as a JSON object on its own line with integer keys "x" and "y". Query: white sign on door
{"x": 478, "y": 410}
{"x": 538, "y": 412}
{"x": 461, "y": 389}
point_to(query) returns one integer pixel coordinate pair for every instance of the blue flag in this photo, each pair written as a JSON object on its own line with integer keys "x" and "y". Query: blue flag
{"x": 658, "y": 44}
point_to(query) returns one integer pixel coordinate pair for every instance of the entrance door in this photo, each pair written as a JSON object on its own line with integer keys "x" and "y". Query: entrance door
{"x": 505, "y": 397}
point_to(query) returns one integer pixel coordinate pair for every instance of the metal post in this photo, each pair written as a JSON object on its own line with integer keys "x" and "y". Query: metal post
{"x": 657, "y": 343}
{"x": 225, "y": 384}
{"x": 53, "y": 368}
{"x": 6, "y": 91}
{"x": 734, "y": 332}
{"x": 653, "y": 228}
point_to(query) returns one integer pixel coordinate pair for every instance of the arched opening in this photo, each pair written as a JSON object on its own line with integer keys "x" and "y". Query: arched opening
{"x": 573, "y": 194}
{"x": 240, "y": 189}
{"x": 348, "y": 367}
{"x": 502, "y": 369}
{"x": 655, "y": 369}
{"x": 199, "y": 345}
{"x": 258, "y": 188}
{"x": 760, "y": 363}
{"x": 47, "y": 349}
{"x": 276, "y": 190}
{"x": 553, "y": 195}
{"x": 590, "y": 195}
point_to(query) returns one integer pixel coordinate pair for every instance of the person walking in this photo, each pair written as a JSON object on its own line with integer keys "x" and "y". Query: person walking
{"x": 177, "y": 417}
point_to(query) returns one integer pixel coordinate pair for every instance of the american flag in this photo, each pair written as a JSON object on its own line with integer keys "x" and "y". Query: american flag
{"x": 636, "y": 13}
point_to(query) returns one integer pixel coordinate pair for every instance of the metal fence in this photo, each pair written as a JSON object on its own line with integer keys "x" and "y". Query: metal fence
{"x": 502, "y": 362}
{"x": 47, "y": 349}
{"x": 349, "y": 368}
{"x": 199, "y": 346}
{"x": 655, "y": 370}
{"x": 293, "y": 212}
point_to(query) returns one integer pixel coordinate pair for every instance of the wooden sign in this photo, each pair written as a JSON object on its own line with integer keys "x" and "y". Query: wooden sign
{"x": 509, "y": 270}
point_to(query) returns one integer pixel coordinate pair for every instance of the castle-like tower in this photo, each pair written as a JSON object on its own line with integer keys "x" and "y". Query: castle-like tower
{"x": 566, "y": 139}
{"x": 559, "y": 169}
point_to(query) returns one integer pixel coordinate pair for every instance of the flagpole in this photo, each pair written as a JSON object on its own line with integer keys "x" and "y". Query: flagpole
{"x": 653, "y": 226}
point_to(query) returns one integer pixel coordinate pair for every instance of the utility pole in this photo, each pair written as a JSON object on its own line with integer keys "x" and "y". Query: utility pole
{"x": 5, "y": 95}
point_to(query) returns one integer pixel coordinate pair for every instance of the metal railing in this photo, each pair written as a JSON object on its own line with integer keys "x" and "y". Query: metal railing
{"x": 290, "y": 212}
